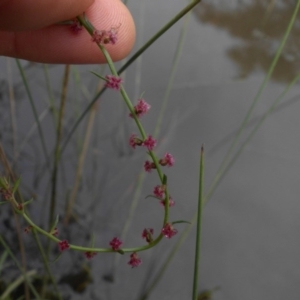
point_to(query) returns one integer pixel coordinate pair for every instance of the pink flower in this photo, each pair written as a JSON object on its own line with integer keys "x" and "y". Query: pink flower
{"x": 63, "y": 245}
{"x": 89, "y": 254}
{"x": 150, "y": 143}
{"x": 113, "y": 82}
{"x": 134, "y": 141}
{"x": 167, "y": 160}
{"x": 159, "y": 191}
{"x": 116, "y": 244}
{"x": 98, "y": 36}
{"x": 171, "y": 202}
{"x": 148, "y": 234}
{"x": 148, "y": 165}
{"x": 105, "y": 36}
{"x": 168, "y": 231}
{"x": 6, "y": 194}
{"x": 141, "y": 108}
{"x": 135, "y": 261}
{"x": 76, "y": 26}
{"x": 113, "y": 35}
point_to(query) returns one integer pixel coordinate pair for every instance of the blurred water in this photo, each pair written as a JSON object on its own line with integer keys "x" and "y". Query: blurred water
{"x": 251, "y": 223}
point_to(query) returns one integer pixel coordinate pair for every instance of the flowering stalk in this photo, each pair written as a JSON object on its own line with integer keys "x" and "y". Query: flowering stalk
{"x": 102, "y": 37}
{"x": 91, "y": 29}
{"x": 8, "y": 194}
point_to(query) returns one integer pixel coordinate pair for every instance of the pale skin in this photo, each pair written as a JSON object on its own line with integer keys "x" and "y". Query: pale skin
{"x": 29, "y": 30}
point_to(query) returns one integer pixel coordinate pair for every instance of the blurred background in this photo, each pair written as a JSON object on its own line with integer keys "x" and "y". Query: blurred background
{"x": 250, "y": 239}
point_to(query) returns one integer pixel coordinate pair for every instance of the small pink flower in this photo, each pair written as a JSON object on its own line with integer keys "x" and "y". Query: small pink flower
{"x": 167, "y": 160}
{"x": 169, "y": 231}
{"x": 113, "y": 82}
{"x": 64, "y": 245}
{"x": 98, "y": 36}
{"x": 134, "y": 141}
{"x": 171, "y": 202}
{"x": 148, "y": 165}
{"x": 6, "y": 194}
{"x": 150, "y": 142}
{"x": 76, "y": 26}
{"x": 141, "y": 108}
{"x": 135, "y": 261}
{"x": 116, "y": 244}
{"x": 106, "y": 36}
{"x": 159, "y": 191}
{"x": 148, "y": 234}
{"x": 89, "y": 254}
{"x": 113, "y": 35}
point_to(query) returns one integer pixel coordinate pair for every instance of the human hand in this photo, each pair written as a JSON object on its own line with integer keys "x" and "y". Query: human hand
{"x": 29, "y": 30}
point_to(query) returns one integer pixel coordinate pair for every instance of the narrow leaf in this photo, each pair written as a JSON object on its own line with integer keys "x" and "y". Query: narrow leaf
{"x": 181, "y": 221}
{"x": 17, "y": 183}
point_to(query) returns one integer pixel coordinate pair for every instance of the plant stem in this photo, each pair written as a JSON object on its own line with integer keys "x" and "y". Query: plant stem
{"x": 46, "y": 264}
{"x": 128, "y": 63}
{"x": 34, "y": 110}
{"x": 24, "y": 273}
{"x": 199, "y": 226}
{"x": 58, "y": 141}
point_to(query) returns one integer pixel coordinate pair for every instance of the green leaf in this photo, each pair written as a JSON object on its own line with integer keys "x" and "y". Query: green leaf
{"x": 17, "y": 183}
{"x": 3, "y": 182}
{"x": 55, "y": 223}
{"x": 3, "y": 202}
{"x": 181, "y": 221}
{"x": 165, "y": 179}
{"x": 27, "y": 202}
{"x": 98, "y": 75}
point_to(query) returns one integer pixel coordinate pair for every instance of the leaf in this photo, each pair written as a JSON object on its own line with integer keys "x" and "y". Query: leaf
{"x": 55, "y": 223}
{"x": 180, "y": 221}
{"x": 99, "y": 76}
{"x": 121, "y": 251}
{"x": 27, "y": 202}
{"x": 165, "y": 179}
{"x": 3, "y": 182}
{"x": 17, "y": 183}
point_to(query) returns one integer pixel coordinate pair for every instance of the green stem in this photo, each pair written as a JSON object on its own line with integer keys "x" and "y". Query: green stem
{"x": 47, "y": 265}
{"x": 128, "y": 63}
{"x": 175, "y": 64}
{"x": 90, "y": 28}
{"x": 57, "y": 154}
{"x": 199, "y": 226}
{"x": 159, "y": 34}
{"x": 90, "y": 249}
{"x": 34, "y": 110}
{"x": 33, "y": 290}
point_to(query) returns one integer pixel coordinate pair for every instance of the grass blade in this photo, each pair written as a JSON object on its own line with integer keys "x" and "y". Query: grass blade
{"x": 199, "y": 226}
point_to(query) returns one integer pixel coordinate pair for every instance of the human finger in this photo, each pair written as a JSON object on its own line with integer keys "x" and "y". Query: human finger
{"x": 20, "y": 15}
{"x": 58, "y": 44}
